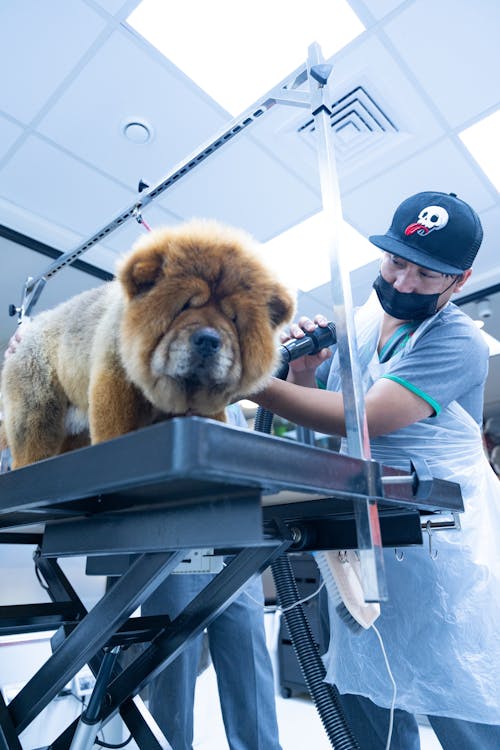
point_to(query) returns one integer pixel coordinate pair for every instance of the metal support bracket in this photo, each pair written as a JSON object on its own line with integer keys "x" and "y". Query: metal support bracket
{"x": 367, "y": 521}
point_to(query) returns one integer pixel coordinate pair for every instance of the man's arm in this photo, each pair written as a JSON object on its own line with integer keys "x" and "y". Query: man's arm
{"x": 388, "y": 405}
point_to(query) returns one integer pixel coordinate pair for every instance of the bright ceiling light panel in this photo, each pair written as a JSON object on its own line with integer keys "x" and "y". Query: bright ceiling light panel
{"x": 482, "y": 141}
{"x": 237, "y": 52}
{"x": 301, "y": 255}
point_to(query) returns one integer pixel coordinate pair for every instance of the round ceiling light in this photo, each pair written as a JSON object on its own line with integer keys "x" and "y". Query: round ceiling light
{"x": 137, "y": 132}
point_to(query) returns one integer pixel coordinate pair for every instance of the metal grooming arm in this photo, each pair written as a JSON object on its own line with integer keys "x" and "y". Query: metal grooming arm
{"x": 367, "y": 521}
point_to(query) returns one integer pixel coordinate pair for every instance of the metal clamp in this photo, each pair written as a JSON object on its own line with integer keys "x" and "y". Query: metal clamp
{"x": 432, "y": 552}
{"x": 437, "y": 523}
{"x": 420, "y": 479}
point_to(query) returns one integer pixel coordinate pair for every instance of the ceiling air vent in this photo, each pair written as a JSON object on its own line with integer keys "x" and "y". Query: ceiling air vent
{"x": 358, "y": 123}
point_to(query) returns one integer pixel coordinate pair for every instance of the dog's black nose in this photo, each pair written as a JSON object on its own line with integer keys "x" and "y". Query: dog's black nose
{"x": 206, "y": 341}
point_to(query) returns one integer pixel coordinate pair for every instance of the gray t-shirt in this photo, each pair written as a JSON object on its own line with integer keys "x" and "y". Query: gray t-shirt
{"x": 449, "y": 362}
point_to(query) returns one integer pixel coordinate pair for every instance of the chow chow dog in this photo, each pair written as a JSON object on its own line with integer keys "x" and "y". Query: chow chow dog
{"x": 190, "y": 324}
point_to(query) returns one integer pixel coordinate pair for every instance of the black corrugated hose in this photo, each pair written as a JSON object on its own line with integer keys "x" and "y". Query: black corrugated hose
{"x": 325, "y": 696}
{"x": 264, "y": 418}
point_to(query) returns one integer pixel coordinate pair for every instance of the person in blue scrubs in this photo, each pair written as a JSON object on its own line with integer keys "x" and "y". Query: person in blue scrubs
{"x": 242, "y": 663}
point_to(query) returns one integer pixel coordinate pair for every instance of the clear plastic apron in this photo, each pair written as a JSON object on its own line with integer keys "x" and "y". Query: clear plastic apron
{"x": 441, "y": 625}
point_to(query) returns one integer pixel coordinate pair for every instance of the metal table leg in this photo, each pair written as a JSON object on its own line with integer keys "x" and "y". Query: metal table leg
{"x": 144, "y": 575}
{"x": 204, "y": 608}
{"x": 8, "y": 735}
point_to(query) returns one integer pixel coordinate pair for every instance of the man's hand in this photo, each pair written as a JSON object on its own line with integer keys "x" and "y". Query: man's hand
{"x": 302, "y": 370}
{"x": 12, "y": 345}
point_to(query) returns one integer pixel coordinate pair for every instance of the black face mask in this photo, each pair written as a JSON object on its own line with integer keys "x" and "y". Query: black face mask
{"x": 409, "y": 306}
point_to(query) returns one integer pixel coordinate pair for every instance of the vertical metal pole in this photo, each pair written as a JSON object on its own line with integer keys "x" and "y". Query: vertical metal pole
{"x": 366, "y": 512}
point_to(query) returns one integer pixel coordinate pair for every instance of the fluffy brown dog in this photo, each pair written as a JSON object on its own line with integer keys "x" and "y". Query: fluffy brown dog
{"x": 189, "y": 325}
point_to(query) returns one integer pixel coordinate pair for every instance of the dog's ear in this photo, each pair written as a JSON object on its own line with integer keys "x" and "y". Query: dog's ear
{"x": 141, "y": 272}
{"x": 281, "y": 306}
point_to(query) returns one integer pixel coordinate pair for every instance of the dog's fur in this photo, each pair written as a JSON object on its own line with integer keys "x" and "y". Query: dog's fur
{"x": 189, "y": 325}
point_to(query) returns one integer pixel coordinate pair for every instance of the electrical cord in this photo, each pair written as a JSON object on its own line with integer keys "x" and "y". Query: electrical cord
{"x": 279, "y": 608}
{"x": 305, "y": 599}
{"x": 394, "y": 688}
{"x": 291, "y": 606}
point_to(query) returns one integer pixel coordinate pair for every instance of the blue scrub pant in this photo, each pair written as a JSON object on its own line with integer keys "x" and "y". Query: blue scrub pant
{"x": 370, "y": 724}
{"x": 242, "y": 665}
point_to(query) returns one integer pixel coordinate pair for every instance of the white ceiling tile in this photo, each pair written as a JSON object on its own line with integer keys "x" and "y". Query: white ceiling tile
{"x": 365, "y": 66}
{"x": 40, "y": 43}
{"x": 25, "y": 221}
{"x": 441, "y": 167}
{"x": 122, "y": 239}
{"x": 320, "y": 300}
{"x": 317, "y": 301}
{"x": 362, "y": 280}
{"x": 9, "y": 133}
{"x": 486, "y": 270}
{"x": 54, "y": 186}
{"x": 113, "y": 6}
{"x": 452, "y": 47}
{"x": 243, "y": 186}
{"x": 376, "y": 8}
{"x": 123, "y": 83}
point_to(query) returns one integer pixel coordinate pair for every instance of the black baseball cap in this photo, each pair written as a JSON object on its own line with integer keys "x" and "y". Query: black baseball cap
{"x": 437, "y": 231}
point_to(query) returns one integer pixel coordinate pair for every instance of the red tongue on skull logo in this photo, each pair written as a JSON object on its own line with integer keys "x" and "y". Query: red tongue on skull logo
{"x": 412, "y": 228}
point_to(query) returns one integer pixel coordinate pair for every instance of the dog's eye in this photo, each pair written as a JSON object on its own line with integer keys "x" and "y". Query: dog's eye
{"x": 186, "y": 306}
{"x": 144, "y": 287}
{"x": 229, "y": 310}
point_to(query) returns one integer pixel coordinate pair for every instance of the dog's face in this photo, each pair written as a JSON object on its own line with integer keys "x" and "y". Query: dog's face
{"x": 201, "y": 317}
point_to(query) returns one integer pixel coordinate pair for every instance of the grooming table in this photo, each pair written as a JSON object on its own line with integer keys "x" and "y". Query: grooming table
{"x": 136, "y": 504}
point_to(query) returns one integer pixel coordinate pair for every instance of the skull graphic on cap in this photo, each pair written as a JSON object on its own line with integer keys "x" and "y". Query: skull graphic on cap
{"x": 429, "y": 219}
